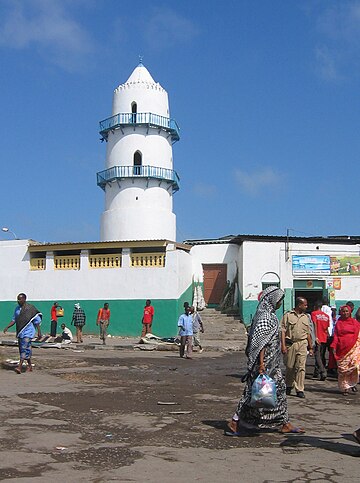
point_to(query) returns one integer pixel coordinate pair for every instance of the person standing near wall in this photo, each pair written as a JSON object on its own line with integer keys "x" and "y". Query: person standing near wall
{"x": 78, "y": 319}
{"x": 53, "y": 323}
{"x": 27, "y": 318}
{"x": 147, "y": 319}
{"x": 185, "y": 324}
{"x": 103, "y": 321}
{"x": 295, "y": 341}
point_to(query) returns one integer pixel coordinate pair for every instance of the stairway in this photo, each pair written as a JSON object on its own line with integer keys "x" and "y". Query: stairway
{"x": 226, "y": 329}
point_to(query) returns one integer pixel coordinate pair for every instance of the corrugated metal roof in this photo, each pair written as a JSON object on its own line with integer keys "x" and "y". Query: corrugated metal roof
{"x": 239, "y": 239}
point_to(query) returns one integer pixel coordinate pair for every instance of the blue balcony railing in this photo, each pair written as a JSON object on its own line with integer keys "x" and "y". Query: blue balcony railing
{"x": 140, "y": 119}
{"x": 147, "y": 172}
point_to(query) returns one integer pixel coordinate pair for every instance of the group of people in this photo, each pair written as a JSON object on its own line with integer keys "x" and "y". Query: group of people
{"x": 294, "y": 337}
{"x": 78, "y": 320}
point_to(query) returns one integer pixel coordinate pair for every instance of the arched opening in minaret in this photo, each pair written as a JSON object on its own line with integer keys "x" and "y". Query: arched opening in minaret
{"x": 133, "y": 111}
{"x": 137, "y": 163}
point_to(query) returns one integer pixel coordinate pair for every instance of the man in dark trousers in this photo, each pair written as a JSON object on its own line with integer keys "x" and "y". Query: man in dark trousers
{"x": 53, "y": 325}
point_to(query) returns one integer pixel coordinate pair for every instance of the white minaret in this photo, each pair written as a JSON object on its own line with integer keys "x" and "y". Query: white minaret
{"x": 139, "y": 180}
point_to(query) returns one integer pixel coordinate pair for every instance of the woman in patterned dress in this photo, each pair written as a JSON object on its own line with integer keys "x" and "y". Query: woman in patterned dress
{"x": 264, "y": 356}
{"x": 346, "y": 348}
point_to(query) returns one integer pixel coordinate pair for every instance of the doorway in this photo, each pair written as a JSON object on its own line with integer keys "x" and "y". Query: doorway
{"x": 312, "y": 296}
{"x": 215, "y": 277}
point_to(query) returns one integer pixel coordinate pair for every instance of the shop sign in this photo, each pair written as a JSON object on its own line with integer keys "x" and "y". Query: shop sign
{"x": 345, "y": 265}
{"x": 311, "y": 265}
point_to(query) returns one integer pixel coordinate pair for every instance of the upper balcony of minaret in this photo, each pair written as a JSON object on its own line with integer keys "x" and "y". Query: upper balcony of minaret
{"x": 148, "y": 120}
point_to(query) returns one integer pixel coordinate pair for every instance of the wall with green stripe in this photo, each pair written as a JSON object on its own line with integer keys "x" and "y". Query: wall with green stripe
{"x": 126, "y": 315}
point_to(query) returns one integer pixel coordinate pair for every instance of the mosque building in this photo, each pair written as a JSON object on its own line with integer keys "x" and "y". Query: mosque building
{"x": 138, "y": 258}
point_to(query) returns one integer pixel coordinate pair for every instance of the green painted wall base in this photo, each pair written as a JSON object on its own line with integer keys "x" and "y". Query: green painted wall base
{"x": 125, "y": 319}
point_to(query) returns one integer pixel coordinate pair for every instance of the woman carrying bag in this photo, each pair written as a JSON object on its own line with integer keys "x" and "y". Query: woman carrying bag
{"x": 264, "y": 355}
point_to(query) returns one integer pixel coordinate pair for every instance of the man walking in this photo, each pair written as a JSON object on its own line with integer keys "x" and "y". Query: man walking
{"x": 103, "y": 320}
{"x": 197, "y": 328}
{"x": 27, "y": 318}
{"x": 295, "y": 340}
{"x": 321, "y": 322}
{"x": 185, "y": 324}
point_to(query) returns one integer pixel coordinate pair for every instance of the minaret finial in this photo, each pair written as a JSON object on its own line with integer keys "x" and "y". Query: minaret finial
{"x": 140, "y": 60}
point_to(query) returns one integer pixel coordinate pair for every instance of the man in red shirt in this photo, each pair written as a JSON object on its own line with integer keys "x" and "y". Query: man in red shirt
{"x": 103, "y": 320}
{"x": 53, "y": 324}
{"x": 147, "y": 318}
{"x": 321, "y": 322}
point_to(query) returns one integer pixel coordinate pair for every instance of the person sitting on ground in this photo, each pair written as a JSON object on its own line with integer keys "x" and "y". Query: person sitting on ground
{"x": 346, "y": 348}
{"x": 66, "y": 336}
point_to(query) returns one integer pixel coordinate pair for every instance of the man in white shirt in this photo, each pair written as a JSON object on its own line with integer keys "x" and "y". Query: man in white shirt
{"x": 66, "y": 334}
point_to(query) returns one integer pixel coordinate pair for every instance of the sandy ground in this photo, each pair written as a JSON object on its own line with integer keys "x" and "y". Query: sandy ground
{"x": 95, "y": 416}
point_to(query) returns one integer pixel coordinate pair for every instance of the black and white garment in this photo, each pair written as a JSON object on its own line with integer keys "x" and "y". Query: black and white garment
{"x": 265, "y": 333}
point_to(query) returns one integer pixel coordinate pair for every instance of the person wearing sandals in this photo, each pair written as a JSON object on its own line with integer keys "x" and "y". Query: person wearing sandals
{"x": 346, "y": 348}
{"x": 264, "y": 356}
{"x": 27, "y": 319}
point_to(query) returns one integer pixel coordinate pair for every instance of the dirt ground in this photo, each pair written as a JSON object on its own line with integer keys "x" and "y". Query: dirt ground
{"x": 100, "y": 416}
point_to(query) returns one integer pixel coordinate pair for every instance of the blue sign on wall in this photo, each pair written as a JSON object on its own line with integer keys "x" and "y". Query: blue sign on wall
{"x": 311, "y": 265}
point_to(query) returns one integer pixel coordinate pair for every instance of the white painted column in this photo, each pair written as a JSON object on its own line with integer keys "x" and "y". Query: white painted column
{"x": 49, "y": 261}
{"x": 125, "y": 258}
{"x": 84, "y": 260}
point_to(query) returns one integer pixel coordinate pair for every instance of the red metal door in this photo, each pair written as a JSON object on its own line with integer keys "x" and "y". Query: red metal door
{"x": 215, "y": 276}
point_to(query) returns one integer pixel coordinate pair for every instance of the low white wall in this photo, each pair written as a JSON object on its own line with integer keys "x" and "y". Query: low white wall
{"x": 125, "y": 283}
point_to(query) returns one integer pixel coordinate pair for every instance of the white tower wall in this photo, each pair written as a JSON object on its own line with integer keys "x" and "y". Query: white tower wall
{"x": 138, "y": 199}
{"x": 155, "y": 149}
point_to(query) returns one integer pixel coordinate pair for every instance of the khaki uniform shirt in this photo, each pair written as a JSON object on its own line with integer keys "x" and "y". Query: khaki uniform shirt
{"x": 296, "y": 326}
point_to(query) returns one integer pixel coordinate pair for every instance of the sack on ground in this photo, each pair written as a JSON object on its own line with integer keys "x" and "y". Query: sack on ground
{"x": 263, "y": 392}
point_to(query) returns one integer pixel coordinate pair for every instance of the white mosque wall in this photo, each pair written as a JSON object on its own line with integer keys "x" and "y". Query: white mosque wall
{"x": 148, "y": 97}
{"x": 132, "y": 223}
{"x": 260, "y": 258}
{"x": 215, "y": 253}
{"x": 155, "y": 148}
{"x": 125, "y": 283}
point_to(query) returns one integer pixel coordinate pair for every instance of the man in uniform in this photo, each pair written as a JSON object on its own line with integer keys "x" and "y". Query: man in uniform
{"x": 295, "y": 341}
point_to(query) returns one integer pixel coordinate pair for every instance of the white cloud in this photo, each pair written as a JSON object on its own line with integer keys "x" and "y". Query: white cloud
{"x": 326, "y": 64}
{"x": 165, "y": 28}
{"x": 258, "y": 181}
{"x": 48, "y": 26}
{"x": 204, "y": 190}
{"x": 338, "y": 51}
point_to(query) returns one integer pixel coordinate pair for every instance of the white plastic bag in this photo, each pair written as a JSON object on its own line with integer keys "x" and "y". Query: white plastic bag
{"x": 263, "y": 392}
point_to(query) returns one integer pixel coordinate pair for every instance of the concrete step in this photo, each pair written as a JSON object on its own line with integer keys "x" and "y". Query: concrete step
{"x": 222, "y": 327}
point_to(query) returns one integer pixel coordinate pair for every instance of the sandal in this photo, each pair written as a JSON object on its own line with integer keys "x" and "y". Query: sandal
{"x": 354, "y": 389}
{"x": 289, "y": 428}
{"x": 356, "y": 435}
{"x": 18, "y": 370}
{"x": 231, "y": 426}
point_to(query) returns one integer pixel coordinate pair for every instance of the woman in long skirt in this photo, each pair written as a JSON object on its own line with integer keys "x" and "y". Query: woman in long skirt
{"x": 264, "y": 356}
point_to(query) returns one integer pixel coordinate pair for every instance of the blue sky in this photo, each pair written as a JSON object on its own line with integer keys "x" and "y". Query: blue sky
{"x": 266, "y": 95}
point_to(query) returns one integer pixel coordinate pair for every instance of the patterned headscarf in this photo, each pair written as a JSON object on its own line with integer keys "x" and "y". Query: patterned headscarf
{"x": 265, "y": 324}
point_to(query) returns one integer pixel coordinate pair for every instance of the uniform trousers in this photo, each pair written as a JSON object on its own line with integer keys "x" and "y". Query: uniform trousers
{"x": 295, "y": 361}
